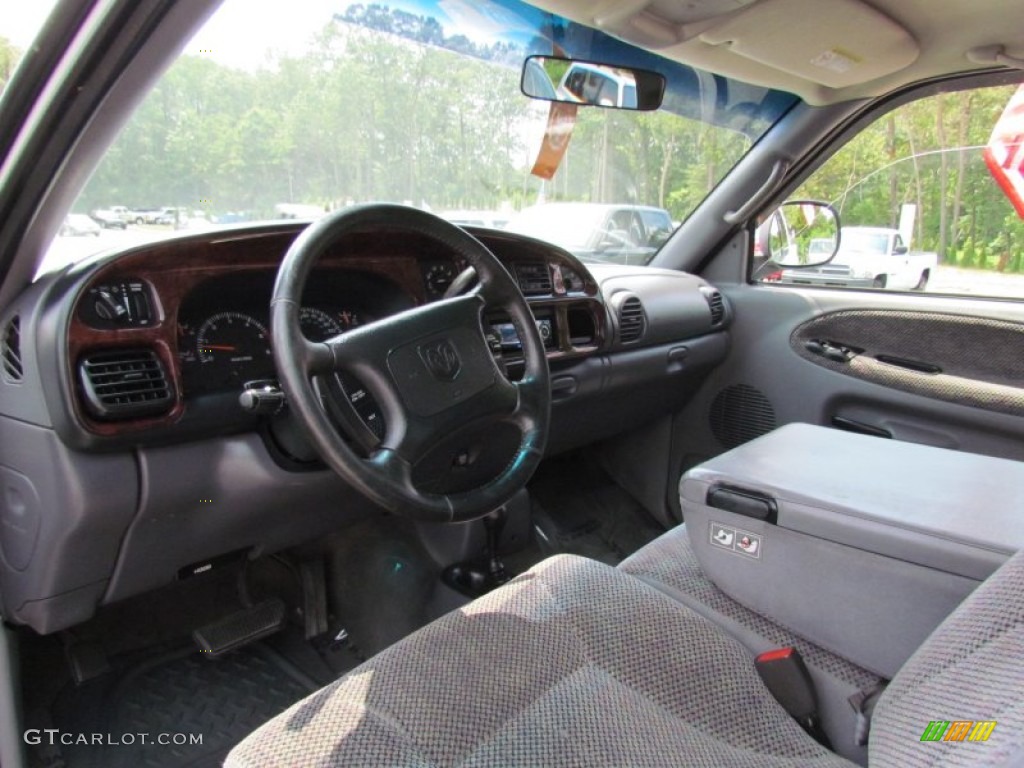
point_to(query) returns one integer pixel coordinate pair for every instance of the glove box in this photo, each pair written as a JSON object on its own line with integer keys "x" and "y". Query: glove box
{"x": 859, "y": 544}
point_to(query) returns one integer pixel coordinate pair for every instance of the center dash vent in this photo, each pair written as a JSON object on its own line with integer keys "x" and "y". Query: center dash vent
{"x": 124, "y": 384}
{"x": 632, "y": 320}
{"x": 716, "y": 304}
{"x": 534, "y": 278}
{"x": 10, "y": 351}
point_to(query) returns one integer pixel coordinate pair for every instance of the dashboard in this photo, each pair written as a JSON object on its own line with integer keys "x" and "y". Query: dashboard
{"x": 126, "y": 436}
{"x": 162, "y": 342}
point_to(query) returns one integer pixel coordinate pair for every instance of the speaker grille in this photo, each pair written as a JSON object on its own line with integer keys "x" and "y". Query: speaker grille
{"x": 740, "y": 413}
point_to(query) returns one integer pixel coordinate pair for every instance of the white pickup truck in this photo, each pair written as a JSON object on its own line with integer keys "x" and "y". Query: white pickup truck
{"x": 868, "y": 257}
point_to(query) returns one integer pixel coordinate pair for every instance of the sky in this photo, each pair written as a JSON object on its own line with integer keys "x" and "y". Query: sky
{"x": 20, "y": 20}
{"x": 267, "y": 25}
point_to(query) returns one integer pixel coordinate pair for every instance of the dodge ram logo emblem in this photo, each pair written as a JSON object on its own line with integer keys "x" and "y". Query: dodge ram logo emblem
{"x": 441, "y": 359}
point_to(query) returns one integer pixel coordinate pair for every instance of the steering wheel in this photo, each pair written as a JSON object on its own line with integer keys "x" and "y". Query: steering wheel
{"x": 459, "y": 438}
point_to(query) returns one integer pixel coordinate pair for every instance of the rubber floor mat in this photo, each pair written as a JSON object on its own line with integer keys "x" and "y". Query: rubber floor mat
{"x": 208, "y": 704}
{"x": 579, "y": 510}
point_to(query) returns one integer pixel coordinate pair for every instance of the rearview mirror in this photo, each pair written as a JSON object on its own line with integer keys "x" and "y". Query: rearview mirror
{"x": 799, "y": 233}
{"x": 572, "y": 81}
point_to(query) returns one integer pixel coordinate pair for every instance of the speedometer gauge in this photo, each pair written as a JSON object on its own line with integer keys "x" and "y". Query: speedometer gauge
{"x": 318, "y": 325}
{"x": 233, "y": 346}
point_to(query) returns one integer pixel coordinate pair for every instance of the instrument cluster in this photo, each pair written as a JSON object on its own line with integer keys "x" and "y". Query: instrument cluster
{"x": 223, "y": 325}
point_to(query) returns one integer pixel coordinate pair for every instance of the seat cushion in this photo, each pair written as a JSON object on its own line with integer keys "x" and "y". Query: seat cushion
{"x": 969, "y": 671}
{"x": 670, "y": 564}
{"x": 572, "y": 663}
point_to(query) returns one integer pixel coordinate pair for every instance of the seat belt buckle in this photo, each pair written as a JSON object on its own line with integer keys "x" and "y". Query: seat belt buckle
{"x": 786, "y": 677}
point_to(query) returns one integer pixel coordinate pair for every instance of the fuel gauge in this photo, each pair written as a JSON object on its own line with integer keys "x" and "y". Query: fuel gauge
{"x": 186, "y": 344}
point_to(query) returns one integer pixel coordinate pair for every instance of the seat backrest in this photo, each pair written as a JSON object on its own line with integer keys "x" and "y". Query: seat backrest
{"x": 968, "y": 674}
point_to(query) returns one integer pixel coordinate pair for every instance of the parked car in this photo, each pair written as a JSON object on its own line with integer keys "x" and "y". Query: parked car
{"x": 628, "y": 234}
{"x": 599, "y": 85}
{"x": 474, "y": 218}
{"x": 147, "y": 215}
{"x": 868, "y": 257}
{"x": 122, "y": 212}
{"x": 78, "y": 224}
{"x": 108, "y": 219}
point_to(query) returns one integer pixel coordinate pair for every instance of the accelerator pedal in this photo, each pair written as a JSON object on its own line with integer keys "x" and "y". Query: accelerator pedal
{"x": 240, "y": 628}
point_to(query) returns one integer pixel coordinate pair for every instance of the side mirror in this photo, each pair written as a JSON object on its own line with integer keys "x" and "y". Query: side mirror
{"x": 573, "y": 81}
{"x": 899, "y": 250}
{"x": 799, "y": 233}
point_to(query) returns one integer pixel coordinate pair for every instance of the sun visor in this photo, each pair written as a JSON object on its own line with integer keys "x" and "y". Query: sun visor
{"x": 834, "y": 44}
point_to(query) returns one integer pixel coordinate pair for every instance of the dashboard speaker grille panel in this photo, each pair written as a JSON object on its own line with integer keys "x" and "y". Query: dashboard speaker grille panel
{"x": 124, "y": 384}
{"x": 10, "y": 351}
{"x": 632, "y": 320}
{"x": 740, "y": 413}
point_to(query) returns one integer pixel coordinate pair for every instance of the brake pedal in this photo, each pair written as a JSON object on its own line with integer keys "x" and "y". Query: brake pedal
{"x": 240, "y": 628}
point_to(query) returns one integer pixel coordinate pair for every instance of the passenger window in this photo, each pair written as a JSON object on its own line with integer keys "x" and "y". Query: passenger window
{"x": 930, "y": 197}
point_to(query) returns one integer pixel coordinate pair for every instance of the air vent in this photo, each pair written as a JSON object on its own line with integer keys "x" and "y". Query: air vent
{"x": 534, "y": 278}
{"x": 632, "y": 320}
{"x": 10, "y": 351}
{"x": 716, "y": 304}
{"x": 124, "y": 384}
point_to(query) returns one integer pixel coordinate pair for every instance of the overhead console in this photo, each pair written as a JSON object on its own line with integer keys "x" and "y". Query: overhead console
{"x": 860, "y": 544}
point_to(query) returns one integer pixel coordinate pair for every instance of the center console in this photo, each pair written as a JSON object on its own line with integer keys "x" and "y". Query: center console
{"x": 859, "y": 544}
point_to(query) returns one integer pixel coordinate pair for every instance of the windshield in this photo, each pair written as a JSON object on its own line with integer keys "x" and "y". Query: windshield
{"x": 293, "y": 110}
{"x": 568, "y": 225}
{"x": 864, "y": 242}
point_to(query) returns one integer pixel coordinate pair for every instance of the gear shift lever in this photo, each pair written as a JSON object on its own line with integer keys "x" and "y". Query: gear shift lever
{"x": 478, "y": 577}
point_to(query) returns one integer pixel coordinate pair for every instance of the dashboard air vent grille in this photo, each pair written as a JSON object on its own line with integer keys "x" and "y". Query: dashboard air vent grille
{"x": 717, "y": 305}
{"x": 10, "y": 351}
{"x": 124, "y": 383}
{"x": 632, "y": 320}
{"x": 534, "y": 278}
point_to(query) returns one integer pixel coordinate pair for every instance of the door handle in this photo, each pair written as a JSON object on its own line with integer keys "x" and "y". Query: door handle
{"x": 850, "y": 425}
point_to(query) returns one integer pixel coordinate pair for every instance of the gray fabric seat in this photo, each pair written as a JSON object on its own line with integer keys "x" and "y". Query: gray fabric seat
{"x": 670, "y": 565}
{"x": 576, "y": 663}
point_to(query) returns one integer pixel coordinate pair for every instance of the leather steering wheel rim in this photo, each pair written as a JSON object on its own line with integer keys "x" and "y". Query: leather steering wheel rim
{"x": 429, "y": 368}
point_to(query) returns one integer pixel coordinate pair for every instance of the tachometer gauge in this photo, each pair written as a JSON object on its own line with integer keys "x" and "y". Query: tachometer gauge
{"x": 318, "y": 325}
{"x": 186, "y": 344}
{"x": 233, "y": 346}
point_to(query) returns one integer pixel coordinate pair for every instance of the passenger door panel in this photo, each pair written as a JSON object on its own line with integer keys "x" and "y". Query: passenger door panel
{"x": 974, "y": 401}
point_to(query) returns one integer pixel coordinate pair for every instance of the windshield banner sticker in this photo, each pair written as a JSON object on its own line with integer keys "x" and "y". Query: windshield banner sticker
{"x": 561, "y": 121}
